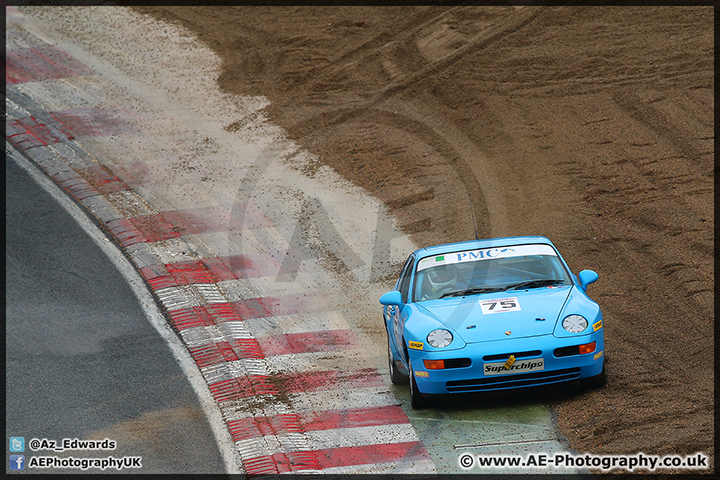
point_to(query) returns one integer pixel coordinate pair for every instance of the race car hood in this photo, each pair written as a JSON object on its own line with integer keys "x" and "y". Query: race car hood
{"x": 487, "y": 317}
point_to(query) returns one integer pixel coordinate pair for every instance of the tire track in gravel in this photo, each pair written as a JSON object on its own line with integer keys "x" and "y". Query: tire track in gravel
{"x": 461, "y": 154}
{"x": 506, "y": 26}
{"x": 643, "y": 112}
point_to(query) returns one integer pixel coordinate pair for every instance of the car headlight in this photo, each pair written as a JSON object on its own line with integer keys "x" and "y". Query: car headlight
{"x": 439, "y": 338}
{"x": 574, "y": 323}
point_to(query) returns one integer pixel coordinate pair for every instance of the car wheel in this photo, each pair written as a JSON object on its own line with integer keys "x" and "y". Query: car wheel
{"x": 396, "y": 376}
{"x": 597, "y": 381}
{"x": 417, "y": 400}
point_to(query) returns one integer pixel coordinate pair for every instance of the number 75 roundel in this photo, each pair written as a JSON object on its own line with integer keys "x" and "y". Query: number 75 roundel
{"x": 499, "y": 305}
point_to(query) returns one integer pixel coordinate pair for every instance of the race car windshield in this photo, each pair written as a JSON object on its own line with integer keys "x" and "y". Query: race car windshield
{"x": 483, "y": 271}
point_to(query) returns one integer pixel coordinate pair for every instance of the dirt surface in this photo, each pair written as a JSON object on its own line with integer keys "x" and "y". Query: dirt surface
{"x": 590, "y": 125}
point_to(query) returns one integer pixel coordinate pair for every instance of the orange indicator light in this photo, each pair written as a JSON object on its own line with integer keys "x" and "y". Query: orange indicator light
{"x": 434, "y": 364}
{"x": 587, "y": 348}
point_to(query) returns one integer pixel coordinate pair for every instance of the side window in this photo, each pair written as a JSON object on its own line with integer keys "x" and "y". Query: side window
{"x": 404, "y": 283}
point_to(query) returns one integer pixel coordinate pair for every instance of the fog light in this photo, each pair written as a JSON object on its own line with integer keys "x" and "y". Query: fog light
{"x": 587, "y": 348}
{"x": 434, "y": 364}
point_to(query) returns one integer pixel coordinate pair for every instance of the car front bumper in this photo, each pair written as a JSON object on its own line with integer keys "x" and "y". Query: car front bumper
{"x": 486, "y": 356}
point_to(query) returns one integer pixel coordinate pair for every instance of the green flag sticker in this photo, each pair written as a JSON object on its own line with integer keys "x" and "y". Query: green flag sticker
{"x": 440, "y": 258}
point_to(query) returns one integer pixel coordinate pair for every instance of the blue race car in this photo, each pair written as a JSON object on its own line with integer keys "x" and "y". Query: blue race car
{"x": 490, "y": 315}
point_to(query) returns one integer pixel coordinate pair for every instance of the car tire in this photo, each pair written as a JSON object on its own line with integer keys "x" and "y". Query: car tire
{"x": 597, "y": 381}
{"x": 417, "y": 399}
{"x": 396, "y": 376}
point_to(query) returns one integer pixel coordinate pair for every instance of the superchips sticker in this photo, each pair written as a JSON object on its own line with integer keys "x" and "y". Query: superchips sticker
{"x": 597, "y": 326}
{"x": 419, "y": 373}
{"x": 520, "y": 366}
{"x": 416, "y": 345}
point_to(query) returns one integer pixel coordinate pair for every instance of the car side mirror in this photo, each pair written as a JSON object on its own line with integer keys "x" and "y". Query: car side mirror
{"x": 392, "y": 298}
{"x": 587, "y": 277}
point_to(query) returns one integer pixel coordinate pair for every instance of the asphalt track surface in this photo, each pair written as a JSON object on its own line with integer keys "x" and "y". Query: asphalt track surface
{"x": 82, "y": 359}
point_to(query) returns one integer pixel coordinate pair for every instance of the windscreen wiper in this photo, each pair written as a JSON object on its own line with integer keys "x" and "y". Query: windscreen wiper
{"x": 534, "y": 283}
{"x": 472, "y": 291}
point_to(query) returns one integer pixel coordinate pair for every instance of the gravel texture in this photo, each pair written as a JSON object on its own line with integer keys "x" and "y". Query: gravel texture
{"x": 590, "y": 125}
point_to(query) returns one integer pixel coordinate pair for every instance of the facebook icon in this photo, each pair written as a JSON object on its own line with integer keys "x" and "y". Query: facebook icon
{"x": 17, "y": 462}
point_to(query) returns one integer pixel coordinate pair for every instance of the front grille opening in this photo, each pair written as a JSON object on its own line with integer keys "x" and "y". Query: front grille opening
{"x": 505, "y": 356}
{"x": 512, "y": 381}
{"x": 567, "y": 351}
{"x": 457, "y": 363}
